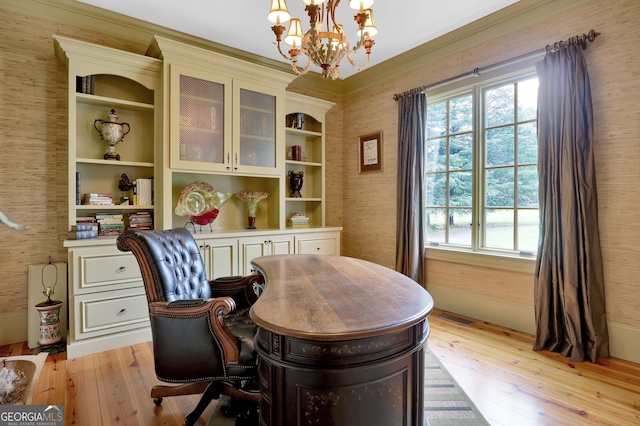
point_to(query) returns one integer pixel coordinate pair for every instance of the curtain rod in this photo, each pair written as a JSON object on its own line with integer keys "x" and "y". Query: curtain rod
{"x": 580, "y": 40}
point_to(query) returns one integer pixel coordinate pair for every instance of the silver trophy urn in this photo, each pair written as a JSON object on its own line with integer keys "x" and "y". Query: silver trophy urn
{"x": 112, "y": 132}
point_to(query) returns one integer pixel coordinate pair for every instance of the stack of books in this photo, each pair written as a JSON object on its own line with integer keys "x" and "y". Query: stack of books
{"x": 85, "y": 227}
{"x": 143, "y": 192}
{"x": 110, "y": 224}
{"x": 140, "y": 220}
{"x": 97, "y": 199}
{"x": 86, "y": 84}
{"x": 299, "y": 221}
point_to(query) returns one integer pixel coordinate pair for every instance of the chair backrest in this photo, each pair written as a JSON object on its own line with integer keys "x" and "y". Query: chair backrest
{"x": 170, "y": 262}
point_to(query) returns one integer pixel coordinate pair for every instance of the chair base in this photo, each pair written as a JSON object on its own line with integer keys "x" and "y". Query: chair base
{"x": 210, "y": 391}
{"x": 214, "y": 390}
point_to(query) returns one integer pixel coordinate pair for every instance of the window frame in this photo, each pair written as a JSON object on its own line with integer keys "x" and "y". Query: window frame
{"x": 475, "y": 254}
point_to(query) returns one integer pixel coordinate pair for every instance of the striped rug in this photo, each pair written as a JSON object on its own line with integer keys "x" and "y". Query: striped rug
{"x": 445, "y": 403}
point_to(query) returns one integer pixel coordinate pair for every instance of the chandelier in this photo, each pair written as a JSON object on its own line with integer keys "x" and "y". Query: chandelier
{"x": 327, "y": 46}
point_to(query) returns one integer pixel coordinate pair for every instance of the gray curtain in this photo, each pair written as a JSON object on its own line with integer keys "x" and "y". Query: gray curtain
{"x": 412, "y": 125}
{"x": 569, "y": 284}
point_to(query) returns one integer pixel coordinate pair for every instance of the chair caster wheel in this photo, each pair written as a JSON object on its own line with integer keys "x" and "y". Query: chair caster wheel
{"x": 157, "y": 401}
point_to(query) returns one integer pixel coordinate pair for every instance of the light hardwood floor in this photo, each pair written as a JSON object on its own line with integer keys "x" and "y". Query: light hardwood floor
{"x": 511, "y": 384}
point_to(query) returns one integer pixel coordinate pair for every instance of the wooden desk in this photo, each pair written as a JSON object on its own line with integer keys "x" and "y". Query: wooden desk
{"x": 341, "y": 342}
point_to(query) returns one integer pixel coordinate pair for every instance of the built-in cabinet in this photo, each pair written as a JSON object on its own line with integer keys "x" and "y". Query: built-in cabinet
{"x": 106, "y": 300}
{"x": 102, "y": 80}
{"x": 305, "y": 131}
{"x": 232, "y": 252}
{"x": 252, "y": 247}
{"x": 194, "y": 115}
{"x": 218, "y": 124}
{"x": 223, "y": 124}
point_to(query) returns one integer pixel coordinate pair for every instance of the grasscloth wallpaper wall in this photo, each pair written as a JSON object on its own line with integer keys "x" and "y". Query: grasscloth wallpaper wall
{"x": 33, "y": 151}
{"x": 614, "y": 67}
{"x": 33, "y": 148}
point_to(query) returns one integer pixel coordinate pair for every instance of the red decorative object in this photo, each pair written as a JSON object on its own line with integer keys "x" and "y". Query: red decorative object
{"x": 205, "y": 219}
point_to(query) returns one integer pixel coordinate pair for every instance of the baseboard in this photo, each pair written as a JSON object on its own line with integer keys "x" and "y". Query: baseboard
{"x": 624, "y": 340}
{"x": 94, "y": 345}
{"x": 14, "y": 327}
{"x": 496, "y": 311}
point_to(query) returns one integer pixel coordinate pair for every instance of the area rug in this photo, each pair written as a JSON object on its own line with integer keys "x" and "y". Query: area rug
{"x": 18, "y": 378}
{"x": 445, "y": 403}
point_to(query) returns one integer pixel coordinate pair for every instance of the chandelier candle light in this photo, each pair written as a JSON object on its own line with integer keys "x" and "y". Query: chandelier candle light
{"x": 326, "y": 46}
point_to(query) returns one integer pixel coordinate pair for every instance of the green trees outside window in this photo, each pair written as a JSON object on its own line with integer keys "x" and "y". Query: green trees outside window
{"x": 481, "y": 178}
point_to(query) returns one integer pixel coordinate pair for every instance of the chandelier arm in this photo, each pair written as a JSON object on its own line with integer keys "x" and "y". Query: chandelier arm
{"x": 287, "y": 57}
{"x": 297, "y": 71}
{"x": 361, "y": 41}
{"x": 355, "y": 64}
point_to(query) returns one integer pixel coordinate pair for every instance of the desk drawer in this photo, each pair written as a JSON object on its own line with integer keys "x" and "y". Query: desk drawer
{"x": 109, "y": 312}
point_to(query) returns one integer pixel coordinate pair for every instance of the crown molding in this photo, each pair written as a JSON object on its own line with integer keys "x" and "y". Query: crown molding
{"x": 495, "y": 25}
{"x": 86, "y": 16}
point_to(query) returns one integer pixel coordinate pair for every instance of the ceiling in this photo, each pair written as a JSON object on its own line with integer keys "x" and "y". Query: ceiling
{"x": 243, "y": 24}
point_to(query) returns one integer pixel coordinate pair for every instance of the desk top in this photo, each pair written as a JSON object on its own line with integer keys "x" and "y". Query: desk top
{"x": 335, "y": 298}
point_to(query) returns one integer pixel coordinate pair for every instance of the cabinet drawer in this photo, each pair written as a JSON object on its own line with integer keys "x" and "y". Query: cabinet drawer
{"x": 109, "y": 312}
{"x": 317, "y": 246}
{"x": 108, "y": 269}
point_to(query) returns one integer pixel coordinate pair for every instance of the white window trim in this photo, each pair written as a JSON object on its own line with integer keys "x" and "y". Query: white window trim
{"x": 504, "y": 261}
{"x": 509, "y": 261}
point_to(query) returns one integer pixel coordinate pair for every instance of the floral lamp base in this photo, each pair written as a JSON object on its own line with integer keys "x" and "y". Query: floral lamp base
{"x": 49, "y": 322}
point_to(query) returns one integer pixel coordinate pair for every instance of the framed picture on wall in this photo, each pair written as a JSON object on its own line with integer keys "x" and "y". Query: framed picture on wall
{"x": 370, "y": 152}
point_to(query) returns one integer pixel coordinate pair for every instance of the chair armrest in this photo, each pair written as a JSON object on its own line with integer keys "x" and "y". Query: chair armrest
{"x": 244, "y": 290}
{"x": 216, "y": 308}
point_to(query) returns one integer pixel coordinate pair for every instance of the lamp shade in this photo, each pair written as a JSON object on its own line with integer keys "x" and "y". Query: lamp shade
{"x": 278, "y": 12}
{"x": 294, "y": 36}
{"x": 369, "y": 25}
{"x": 360, "y": 4}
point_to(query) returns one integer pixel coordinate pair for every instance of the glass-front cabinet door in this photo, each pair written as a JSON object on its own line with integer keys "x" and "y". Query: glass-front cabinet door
{"x": 220, "y": 124}
{"x": 201, "y": 120}
{"x": 256, "y": 134}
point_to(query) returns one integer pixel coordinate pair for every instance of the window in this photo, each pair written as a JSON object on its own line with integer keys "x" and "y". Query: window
{"x": 481, "y": 183}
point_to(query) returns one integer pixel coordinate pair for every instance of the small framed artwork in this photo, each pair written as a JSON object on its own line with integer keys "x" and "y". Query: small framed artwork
{"x": 370, "y": 152}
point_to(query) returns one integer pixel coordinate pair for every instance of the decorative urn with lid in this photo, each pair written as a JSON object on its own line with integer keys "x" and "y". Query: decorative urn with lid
{"x": 112, "y": 132}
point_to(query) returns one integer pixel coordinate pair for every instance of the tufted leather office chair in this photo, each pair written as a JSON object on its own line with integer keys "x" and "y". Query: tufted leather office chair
{"x": 202, "y": 334}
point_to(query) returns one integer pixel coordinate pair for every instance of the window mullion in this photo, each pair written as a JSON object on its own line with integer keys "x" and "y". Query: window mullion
{"x": 477, "y": 232}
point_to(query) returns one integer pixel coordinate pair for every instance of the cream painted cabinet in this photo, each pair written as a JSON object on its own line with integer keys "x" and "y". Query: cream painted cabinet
{"x": 225, "y": 125}
{"x": 219, "y": 124}
{"x": 104, "y": 81}
{"x": 305, "y": 133}
{"x": 107, "y": 302}
{"x": 200, "y": 121}
{"x": 252, "y": 247}
{"x": 325, "y": 243}
{"x": 220, "y": 256}
{"x": 106, "y": 299}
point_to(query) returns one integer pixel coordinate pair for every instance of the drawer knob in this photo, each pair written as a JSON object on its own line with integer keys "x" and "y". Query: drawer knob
{"x": 121, "y": 312}
{"x": 121, "y": 269}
